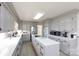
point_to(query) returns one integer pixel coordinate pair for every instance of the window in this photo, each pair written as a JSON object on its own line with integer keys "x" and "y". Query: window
{"x": 39, "y": 30}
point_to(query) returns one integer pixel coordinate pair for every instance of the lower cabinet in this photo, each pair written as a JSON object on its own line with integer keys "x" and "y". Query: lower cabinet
{"x": 69, "y": 47}
{"x": 17, "y": 50}
{"x": 65, "y": 47}
{"x": 39, "y": 49}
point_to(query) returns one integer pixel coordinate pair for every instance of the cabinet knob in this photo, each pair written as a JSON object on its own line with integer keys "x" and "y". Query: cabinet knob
{"x": 0, "y": 29}
{"x": 41, "y": 47}
{"x": 37, "y": 43}
{"x": 41, "y": 53}
{"x": 0, "y": 4}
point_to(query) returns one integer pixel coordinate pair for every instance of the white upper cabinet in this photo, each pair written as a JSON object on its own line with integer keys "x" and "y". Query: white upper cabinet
{"x": 6, "y": 20}
{"x": 0, "y": 16}
{"x": 64, "y": 23}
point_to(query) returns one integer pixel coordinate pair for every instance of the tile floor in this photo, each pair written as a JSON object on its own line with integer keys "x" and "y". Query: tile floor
{"x": 27, "y": 49}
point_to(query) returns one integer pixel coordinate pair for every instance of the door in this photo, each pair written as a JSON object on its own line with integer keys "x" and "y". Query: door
{"x": 39, "y": 30}
{"x": 46, "y": 31}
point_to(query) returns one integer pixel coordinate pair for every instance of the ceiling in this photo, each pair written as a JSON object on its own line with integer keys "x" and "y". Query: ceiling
{"x": 27, "y": 10}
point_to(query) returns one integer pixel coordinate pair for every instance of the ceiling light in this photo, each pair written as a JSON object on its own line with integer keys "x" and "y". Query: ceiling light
{"x": 38, "y": 15}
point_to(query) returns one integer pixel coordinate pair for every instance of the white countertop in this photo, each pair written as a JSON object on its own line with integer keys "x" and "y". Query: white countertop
{"x": 46, "y": 41}
{"x": 8, "y": 45}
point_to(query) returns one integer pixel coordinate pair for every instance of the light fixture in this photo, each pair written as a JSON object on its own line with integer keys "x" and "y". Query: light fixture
{"x": 38, "y": 15}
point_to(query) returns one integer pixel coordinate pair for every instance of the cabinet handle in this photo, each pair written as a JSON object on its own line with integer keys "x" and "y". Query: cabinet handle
{"x": 41, "y": 47}
{"x": 0, "y": 29}
{"x": 37, "y": 43}
{"x": 0, "y": 4}
{"x": 41, "y": 53}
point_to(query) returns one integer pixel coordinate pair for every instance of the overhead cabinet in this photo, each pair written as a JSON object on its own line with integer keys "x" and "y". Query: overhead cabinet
{"x": 65, "y": 22}
{"x": 6, "y": 19}
{"x": 0, "y": 16}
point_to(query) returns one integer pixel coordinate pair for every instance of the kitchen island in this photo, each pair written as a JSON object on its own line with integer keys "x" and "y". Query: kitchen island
{"x": 45, "y": 46}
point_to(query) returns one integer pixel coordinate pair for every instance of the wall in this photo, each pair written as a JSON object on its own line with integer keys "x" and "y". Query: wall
{"x": 26, "y": 25}
{"x": 46, "y": 28}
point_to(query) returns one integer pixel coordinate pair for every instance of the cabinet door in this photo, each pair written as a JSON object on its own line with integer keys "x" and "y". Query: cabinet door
{"x": 61, "y": 25}
{"x": 7, "y": 20}
{"x": 0, "y": 14}
{"x": 42, "y": 50}
{"x": 65, "y": 47}
{"x": 0, "y": 17}
{"x": 73, "y": 46}
{"x": 37, "y": 48}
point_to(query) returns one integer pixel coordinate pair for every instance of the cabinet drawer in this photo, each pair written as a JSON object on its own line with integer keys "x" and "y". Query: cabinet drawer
{"x": 41, "y": 50}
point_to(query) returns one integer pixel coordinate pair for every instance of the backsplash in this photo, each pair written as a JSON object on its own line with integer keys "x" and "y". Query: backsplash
{"x": 58, "y": 33}
{"x": 62, "y": 34}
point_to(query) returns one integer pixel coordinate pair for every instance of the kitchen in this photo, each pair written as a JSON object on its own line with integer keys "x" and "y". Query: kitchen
{"x": 36, "y": 29}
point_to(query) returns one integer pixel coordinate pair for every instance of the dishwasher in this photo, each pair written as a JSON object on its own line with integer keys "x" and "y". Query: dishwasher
{"x": 25, "y": 37}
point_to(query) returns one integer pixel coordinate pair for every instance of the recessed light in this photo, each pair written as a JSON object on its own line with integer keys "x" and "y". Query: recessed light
{"x": 38, "y": 15}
